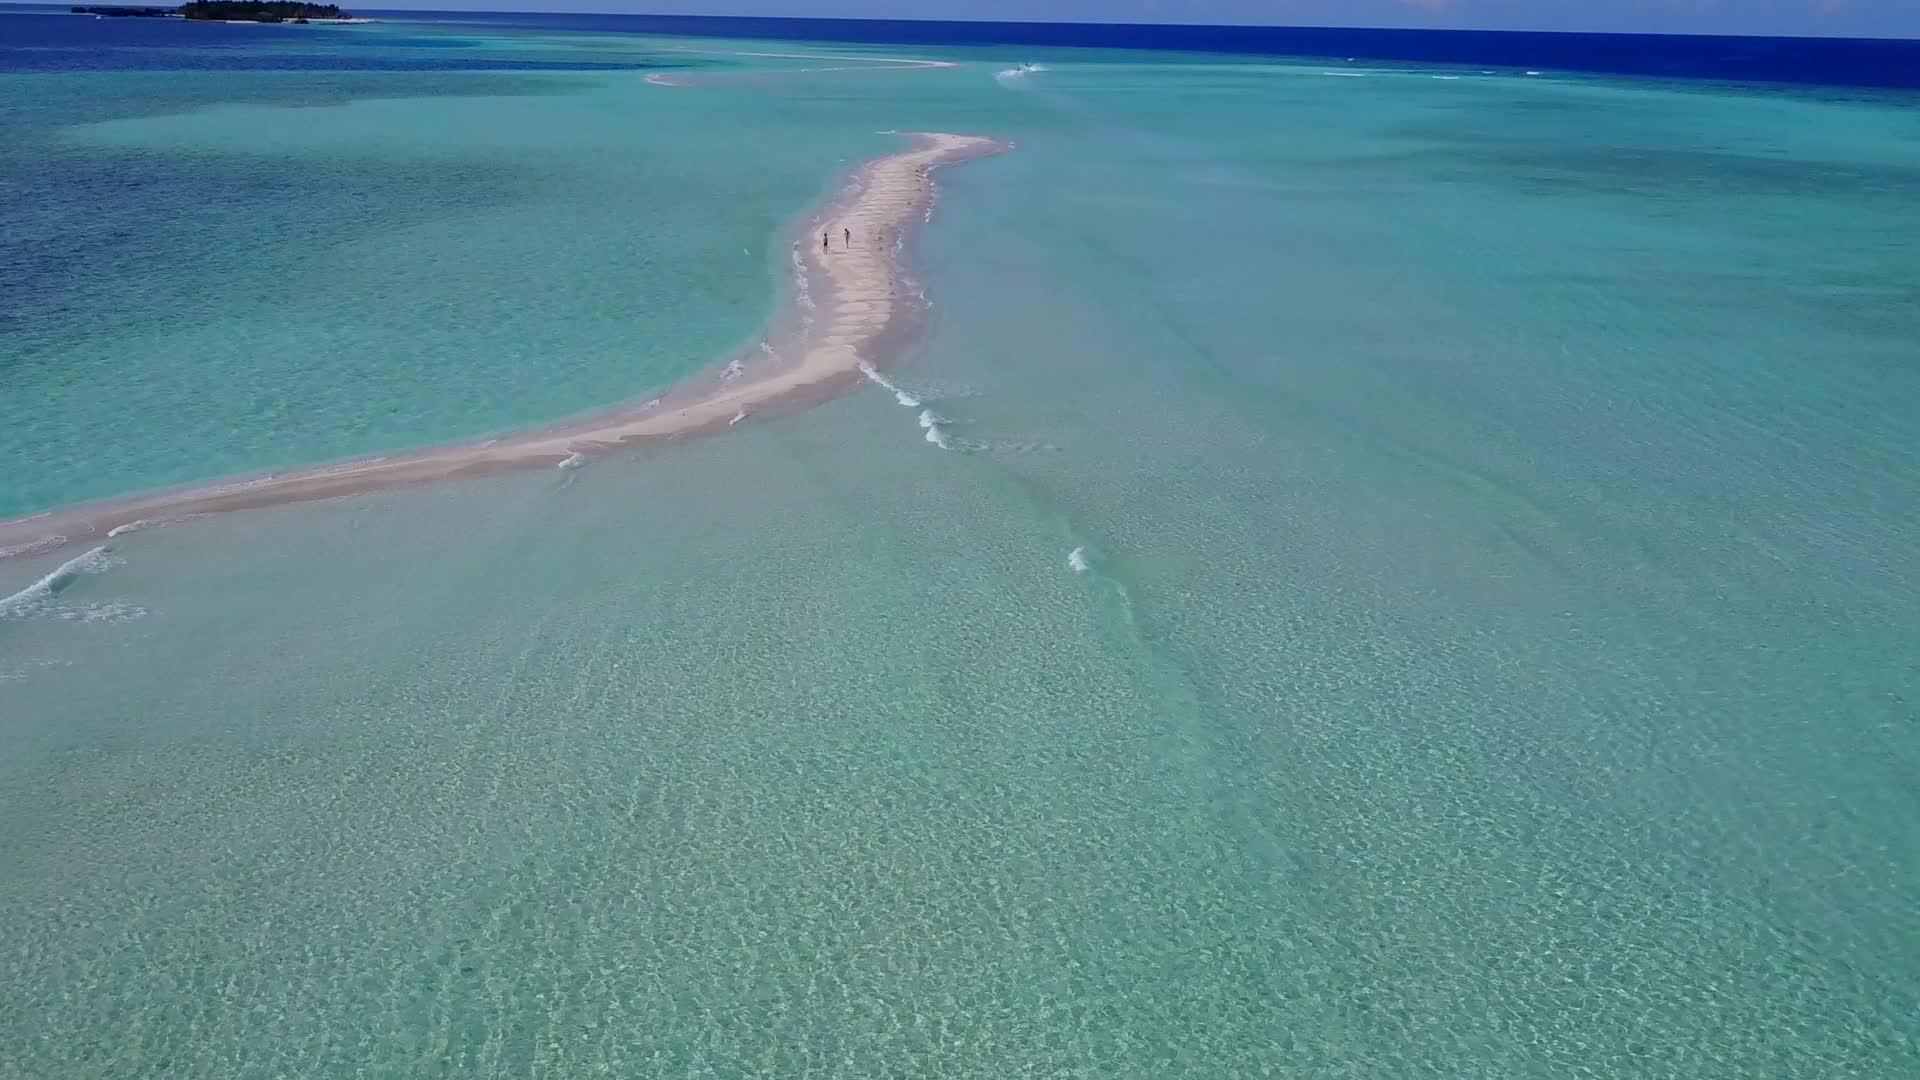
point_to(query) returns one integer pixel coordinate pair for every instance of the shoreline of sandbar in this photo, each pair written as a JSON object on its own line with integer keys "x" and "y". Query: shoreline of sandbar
{"x": 823, "y": 343}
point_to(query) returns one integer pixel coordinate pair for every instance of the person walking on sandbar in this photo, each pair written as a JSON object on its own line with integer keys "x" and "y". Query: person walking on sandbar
{"x": 823, "y": 241}
{"x": 846, "y": 238}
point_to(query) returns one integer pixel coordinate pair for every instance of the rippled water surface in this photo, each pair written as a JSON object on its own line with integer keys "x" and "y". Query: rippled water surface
{"x": 1419, "y": 580}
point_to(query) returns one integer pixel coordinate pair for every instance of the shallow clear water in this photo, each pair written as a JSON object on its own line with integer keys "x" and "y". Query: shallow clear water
{"x": 1492, "y": 654}
{"x": 251, "y": 269}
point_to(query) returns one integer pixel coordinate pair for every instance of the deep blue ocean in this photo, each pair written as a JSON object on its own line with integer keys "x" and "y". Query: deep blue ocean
{"x": 1831, "y": 61}
{"x": 1817, "y": 61}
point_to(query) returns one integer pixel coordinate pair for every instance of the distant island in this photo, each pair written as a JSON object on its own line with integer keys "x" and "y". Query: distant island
{"x": 260, "y": 11}
{"x": 257, "y": 11}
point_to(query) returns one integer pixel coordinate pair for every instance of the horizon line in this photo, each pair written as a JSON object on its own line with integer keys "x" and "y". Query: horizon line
{"x": 1134, "y": 24}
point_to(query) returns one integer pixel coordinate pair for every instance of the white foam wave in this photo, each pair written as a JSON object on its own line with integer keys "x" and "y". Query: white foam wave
{"x": 1014, "y": 76}
{"x": 734, "y": 370}
{"x": 1077, "y": 560}
{"x": 906, "y": 398}
{"x": 935, "y": 425}
{"x": 737, "y": 417}
{"x": 573, "y": 460}
{"x": 36, "y": 596}
{"x": 143, "y": 524}
{"x": 33, "y": 547}
{"x": 802, "y": 292}
{"x": 1346, "y": 74}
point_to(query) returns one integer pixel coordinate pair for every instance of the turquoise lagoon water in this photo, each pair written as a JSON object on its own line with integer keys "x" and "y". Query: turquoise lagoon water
{"x": 251, "y": 269}
{"x": 1493, "y": 654}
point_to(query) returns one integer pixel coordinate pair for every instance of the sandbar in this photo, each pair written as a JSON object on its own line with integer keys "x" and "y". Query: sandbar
{"x": 853, "y": 304}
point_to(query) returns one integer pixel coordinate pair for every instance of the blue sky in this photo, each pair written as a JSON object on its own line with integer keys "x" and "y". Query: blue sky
{"x": 1864, "y": 18}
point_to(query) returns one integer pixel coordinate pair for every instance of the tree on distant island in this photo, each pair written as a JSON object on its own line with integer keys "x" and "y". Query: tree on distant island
{"x": 266, "y": 11}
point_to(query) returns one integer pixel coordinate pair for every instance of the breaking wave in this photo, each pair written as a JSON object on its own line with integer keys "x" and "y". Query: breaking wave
{"x": 936, "y": 427}
{"x": 143, "y": 524}
{"x": 1014, "y": 76}
{"x": 873, "y": 376}
{"x": 39, "y": 597}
